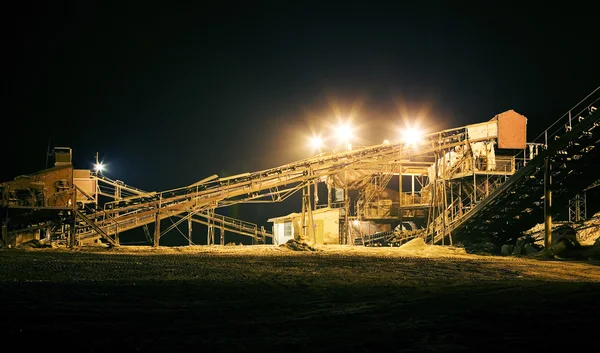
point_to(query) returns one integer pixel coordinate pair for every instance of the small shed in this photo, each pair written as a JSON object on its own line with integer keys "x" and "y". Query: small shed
{"x": 326, "y": 223}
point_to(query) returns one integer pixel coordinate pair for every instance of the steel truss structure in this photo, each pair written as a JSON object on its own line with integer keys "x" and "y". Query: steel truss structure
{"x": 455, "y": 185}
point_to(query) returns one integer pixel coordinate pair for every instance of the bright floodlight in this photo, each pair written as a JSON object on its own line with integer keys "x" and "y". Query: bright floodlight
{"x": 316, "y": 142}
{"x": 412, "y": 136}
{"x": 344, "y": 133}
{"x": 386, "y": 142}
{"x": 99, "y": 167}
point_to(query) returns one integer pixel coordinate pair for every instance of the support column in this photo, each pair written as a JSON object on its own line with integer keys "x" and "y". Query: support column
{"x": 310, "y": 217}
{"x": 72, "y": 235}
{"x": 431, "y": 226}
{"x": 452, "y": 206}
{"x": 445, "y": 214}
{"x": 316, "y": 195}
{"x": 328, "y": 195}
{"x": 474, "y": 201}
{"x": 303, "y": 225}
{"x": 190, "y": 231}
{"x": 157, "y": 224}
{"x": 412, "y": 191}
{"x": 400, "y": 213}
{"x": 210, "y": 236}
{"x": 460, "y": 200}
{"x": 222, "y": 234}
{"x": 547, "y": 203}
{"x": 346, "y": 213}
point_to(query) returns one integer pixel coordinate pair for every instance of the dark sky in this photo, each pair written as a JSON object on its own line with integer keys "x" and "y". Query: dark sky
{"x": 168, "y": 94}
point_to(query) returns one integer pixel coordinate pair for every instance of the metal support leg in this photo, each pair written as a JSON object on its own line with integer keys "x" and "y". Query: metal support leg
{"x": 156, "y": 229}
{"x": 190, "y": 231}
{"x": 547, "y": 203}
{"x": 157, "y": 224}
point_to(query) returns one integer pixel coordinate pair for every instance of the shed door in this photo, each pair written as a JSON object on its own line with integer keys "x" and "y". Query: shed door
{"x": 287, "y": 230}
{"x": 319, "y": 227}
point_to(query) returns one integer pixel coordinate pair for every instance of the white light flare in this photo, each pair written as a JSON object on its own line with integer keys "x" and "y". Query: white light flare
{"x": 344, "y": 133}
{"x": 99, "y": 167}
{"x": 316, "y": 143}
{"x": 412, "y": 136}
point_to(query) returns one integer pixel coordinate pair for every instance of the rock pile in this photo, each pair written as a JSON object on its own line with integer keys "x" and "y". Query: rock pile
{"x": 296, "y": 245}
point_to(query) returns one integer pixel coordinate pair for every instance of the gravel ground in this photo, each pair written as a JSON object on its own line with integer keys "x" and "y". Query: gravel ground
{"x": 273, "y": 299}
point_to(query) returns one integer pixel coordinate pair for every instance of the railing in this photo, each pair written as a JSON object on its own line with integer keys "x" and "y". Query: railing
{"x": 566, "y": 122}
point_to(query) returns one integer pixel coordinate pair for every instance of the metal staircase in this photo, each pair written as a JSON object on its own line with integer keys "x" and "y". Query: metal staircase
{"x": 517, "y": 204}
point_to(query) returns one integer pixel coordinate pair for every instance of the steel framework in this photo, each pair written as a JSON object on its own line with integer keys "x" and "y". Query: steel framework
{"x": 463, "y": 186}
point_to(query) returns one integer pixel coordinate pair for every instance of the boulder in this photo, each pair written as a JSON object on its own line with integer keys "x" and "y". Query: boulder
{"x": 506, "y": 249}
{"x": 530, "y": 249}
{"x": 519, "y": 247}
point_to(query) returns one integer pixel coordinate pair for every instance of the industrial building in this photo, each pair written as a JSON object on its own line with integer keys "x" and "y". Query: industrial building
{"x": 460, "y": 184}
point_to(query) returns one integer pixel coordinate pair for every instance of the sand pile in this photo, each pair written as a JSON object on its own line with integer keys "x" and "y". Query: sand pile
{"x": 418, "y": 246}
{"x": 589, "y": 232}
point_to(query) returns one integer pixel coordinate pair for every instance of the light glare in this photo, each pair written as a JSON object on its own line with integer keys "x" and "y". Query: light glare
{"x": 344, "y": 133}
{"x": 412, "y": 136}
{"x": 99, "y": 167}
{"x": 316, "y": 142}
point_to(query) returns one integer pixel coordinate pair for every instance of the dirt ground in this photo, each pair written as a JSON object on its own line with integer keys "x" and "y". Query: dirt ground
{"x": 267, "y": 298}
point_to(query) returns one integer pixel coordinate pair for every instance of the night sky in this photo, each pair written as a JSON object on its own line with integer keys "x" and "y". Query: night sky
{"x": 169, "y": 94}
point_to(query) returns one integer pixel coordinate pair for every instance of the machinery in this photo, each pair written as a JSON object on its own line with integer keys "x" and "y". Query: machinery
{"x": 454, "y": 185}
